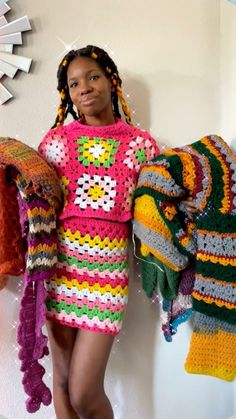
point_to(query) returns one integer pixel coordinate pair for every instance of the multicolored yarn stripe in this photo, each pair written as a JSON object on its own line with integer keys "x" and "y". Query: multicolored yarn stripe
{"x": 35, "y": 193}
{"x": 90, "y": 286}
{"x": 205, "y": 171}
{"x": 41, "y": 259}
{"x": 156, "y": 238}
{"x": 212, "y": 348}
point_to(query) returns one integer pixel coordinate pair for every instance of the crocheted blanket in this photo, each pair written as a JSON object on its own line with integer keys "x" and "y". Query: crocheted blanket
{"x": 29, "y": 197}
{"x": 206, "y": 172}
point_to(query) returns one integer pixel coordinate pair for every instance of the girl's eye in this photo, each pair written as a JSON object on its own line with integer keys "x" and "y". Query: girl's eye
{"x": 94, "y": 77}
{"x": 73, "y": 84}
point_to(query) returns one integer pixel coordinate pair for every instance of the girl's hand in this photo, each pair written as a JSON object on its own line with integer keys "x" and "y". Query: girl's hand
{"x": 3, "y": 281}
{"x": 191, "y": 206}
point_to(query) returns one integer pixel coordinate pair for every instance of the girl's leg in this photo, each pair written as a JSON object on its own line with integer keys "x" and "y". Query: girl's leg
{"x": 87, "y": 370}
{"x": 61, "y": 339}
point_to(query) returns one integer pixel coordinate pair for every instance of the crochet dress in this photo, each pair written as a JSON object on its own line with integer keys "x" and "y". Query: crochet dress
{"x": 98, "y": 168}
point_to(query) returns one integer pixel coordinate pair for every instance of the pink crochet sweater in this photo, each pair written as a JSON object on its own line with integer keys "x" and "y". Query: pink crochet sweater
{"x": 98, "y": 167}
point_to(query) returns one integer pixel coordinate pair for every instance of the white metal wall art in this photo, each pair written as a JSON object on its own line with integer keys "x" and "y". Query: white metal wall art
{"x": 10, "y": 35}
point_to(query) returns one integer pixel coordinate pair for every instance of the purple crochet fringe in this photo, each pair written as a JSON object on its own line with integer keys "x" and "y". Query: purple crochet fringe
{"x": 33, "y": 344}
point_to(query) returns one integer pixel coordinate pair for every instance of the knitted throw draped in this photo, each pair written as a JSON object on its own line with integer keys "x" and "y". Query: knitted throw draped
{"x": 206, "y": 172}
{"x": 29, "y": 197}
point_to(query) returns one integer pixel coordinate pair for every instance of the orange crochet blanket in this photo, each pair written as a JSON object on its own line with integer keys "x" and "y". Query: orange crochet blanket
{"x": 38, "y": 178}
{"x": 12, "y": 249}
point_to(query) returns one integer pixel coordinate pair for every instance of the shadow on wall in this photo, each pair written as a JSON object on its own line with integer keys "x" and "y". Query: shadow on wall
{"x": 130, "y": 373}
{"x": 138, "y": 99}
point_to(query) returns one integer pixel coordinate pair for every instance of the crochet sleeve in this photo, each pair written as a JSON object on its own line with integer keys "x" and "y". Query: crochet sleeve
{"x": 155, "y": 149}
{"x": 49, "y": 148}
{"x": 159, "y": 211}
{"x": 44, "y": 147}
{"x": 142, "y": 148}
{"x": 150, "y": 149}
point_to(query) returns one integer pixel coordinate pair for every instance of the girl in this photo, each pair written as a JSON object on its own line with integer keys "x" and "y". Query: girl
{"x": 97, "y": 158}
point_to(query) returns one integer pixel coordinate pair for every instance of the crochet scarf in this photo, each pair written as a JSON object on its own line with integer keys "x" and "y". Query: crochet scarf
{"x": 206, "y": 172}
{"x": 29, "y": 197}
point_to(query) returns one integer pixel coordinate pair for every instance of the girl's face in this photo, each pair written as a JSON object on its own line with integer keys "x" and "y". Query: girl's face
{"x": 90, "y": 90}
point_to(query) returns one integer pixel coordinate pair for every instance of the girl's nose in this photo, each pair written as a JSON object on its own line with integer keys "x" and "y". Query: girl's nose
{"x": 85, "y": 88}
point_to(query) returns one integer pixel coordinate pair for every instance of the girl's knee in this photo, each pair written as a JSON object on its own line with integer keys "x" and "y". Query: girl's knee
{"x": 85, "y": 401}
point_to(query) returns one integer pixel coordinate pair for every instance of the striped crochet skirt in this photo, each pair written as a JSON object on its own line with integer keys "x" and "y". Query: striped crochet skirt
{"x": 90, "y": 287}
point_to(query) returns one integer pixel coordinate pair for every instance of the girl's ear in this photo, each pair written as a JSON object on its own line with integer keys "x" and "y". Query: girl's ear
{"x": 111, "y": 85}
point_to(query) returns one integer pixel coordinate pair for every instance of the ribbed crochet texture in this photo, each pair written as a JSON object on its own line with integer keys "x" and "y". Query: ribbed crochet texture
{"x": 34, "y": 195}
{"x": 212, "y": 348}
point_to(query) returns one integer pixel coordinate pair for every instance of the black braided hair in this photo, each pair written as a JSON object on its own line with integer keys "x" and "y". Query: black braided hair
{"x": 109, "y": 68}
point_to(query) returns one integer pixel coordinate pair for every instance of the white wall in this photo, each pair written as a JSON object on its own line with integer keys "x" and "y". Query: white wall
{"x": 169, "y": 55}
{"x": 228, "y": 84}
{"x": 228, "y": 70}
